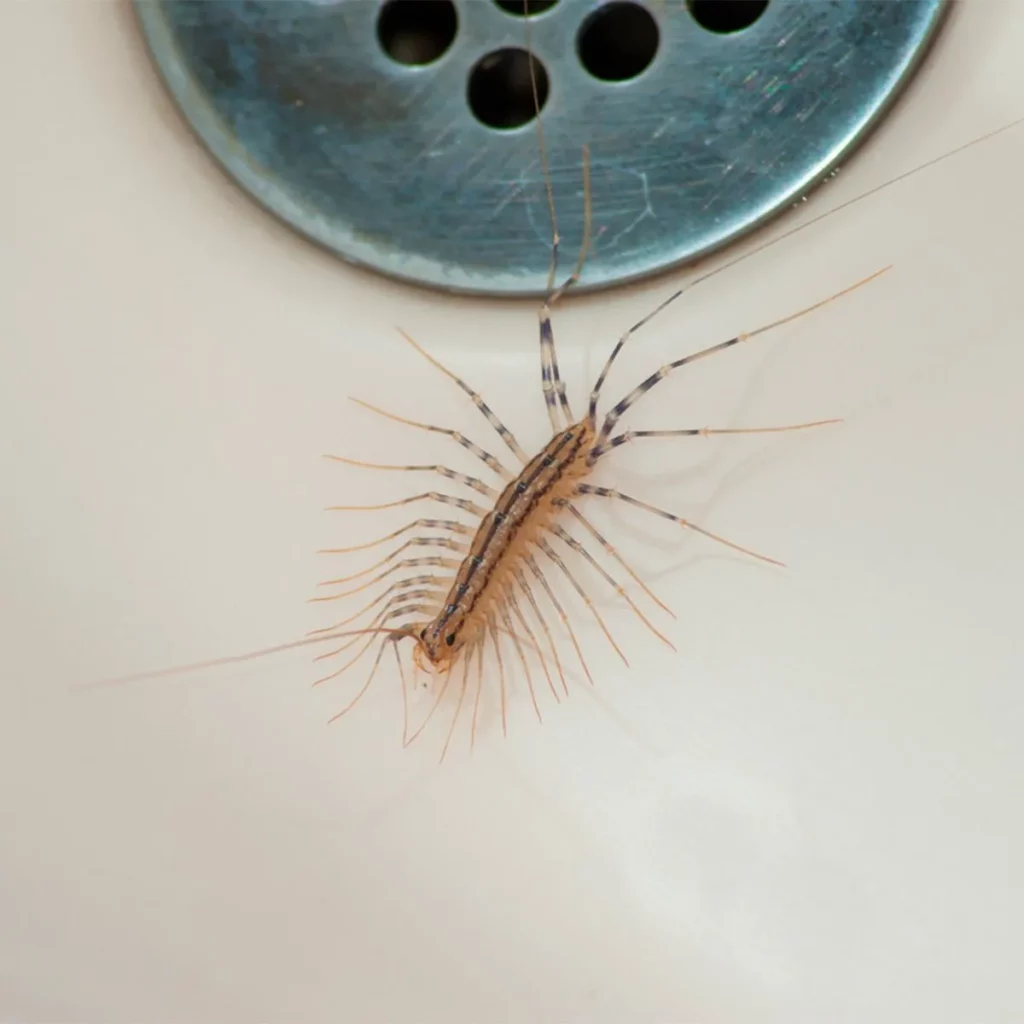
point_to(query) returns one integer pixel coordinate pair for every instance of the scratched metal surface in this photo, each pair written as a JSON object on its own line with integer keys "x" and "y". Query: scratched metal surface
{"x": 385, "y": 165}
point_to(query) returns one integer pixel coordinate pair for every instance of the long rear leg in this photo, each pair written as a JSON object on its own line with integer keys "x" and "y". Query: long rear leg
{"x": 552, "y": 384}
{"x": 612, "y": 418}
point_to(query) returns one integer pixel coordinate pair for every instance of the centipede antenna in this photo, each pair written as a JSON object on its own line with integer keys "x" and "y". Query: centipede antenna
{"x": 355, "y": 700}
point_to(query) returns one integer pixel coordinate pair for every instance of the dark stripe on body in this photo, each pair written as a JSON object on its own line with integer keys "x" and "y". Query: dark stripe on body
{"x": 499, "y": 516}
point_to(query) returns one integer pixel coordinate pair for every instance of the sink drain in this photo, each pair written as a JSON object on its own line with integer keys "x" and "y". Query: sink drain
{"x": 401, "y": 134}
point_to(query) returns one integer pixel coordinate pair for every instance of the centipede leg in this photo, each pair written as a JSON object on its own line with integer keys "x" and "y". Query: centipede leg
{"x": 479, "y": 647}
{"x": 458, "y": 708}
{"x": 434, "y": 706}
{"x": 428, "y": 581}
{"x": 430, "y": 524}
{"x": 522, "y": 658}
{"x": 567, "y": 538}
{"x": 524, "y": 586}
{"x": 492, "y": 630}
{"x": 500, "y": 429}
{"x": 632, "y": 435}
{"x": 406, "y": 563}
{"x": 355, "y": 700}
{"x": 484, "y": 456}
{"x": 405, "y": 698}
{"x": 556, "y": 558}
{"x": 449, "y": 474}
{"x": 513, "y": 602}
{"x": 660, "y": 374}
{"x": 607, "y": 492}
{"x": 415, "y": 542}
{"x": 386, "y": 614}
{"x": 538, "y": 574}
{"x": 599, "y": 537}
{"x": 445, "y": 499}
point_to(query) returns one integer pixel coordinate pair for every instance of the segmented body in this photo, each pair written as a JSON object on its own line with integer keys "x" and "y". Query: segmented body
{"x": 525, "y": 510}
{"x": 480, "y": 600}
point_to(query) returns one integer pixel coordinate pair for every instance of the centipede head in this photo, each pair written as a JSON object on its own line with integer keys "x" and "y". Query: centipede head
{"x": 439, "y": 642}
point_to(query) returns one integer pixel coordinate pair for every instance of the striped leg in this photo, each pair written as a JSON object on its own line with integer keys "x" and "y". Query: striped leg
{"x": 444, "y": 499}
{"x": 430, "y": 524}
{"x": 631, "y": 435}
{"x": 524, "y": 586}
{"x": 538, "y": 575}
{"x": 607, "y": 492}
{"x": 502, "y": 431}
{"x": 492, "y": 630}
{"x": 612, "y": 418}
{"x": 479, "y": 648}
{"x": 434, "y": 542}
{"x": 467, "y": 481}
{"x": 556, "y": 558}
{"x": 484, "y": 456}
{"x": 510, "y": 596}
{"x": 405, "y": 563}
{"x": 507, "y": 622}
{"x": 437, "y": 589}
{"x": 599, "y": 537}
{"x": 567, "y": 538}
{"x": 552, "y": 384}
{"x": 408, "y": 602}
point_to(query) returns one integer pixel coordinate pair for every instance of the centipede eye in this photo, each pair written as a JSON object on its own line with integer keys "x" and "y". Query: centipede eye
{"x": 450, "y": 639}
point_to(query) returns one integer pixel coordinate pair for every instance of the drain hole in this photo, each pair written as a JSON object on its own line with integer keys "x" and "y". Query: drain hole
{"x": 618, "y": 41}
{"x": 726, "y": 15}
{"x": 530, "y": 8}
{"x": 416, "y": 31}
{"x": 500, "y": 94}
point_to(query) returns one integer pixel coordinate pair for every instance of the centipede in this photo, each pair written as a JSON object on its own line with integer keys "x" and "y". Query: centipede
{"x": 482, "y": 601}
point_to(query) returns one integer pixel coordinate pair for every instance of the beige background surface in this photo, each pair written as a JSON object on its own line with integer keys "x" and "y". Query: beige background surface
{"x": 813, "y": 811}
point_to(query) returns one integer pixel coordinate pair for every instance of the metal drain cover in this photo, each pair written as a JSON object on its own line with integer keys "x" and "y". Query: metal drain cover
{"x": 393, "y": 133}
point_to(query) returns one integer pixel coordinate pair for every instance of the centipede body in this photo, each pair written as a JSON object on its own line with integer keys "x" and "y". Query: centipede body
{"x": 451, "y": 619}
